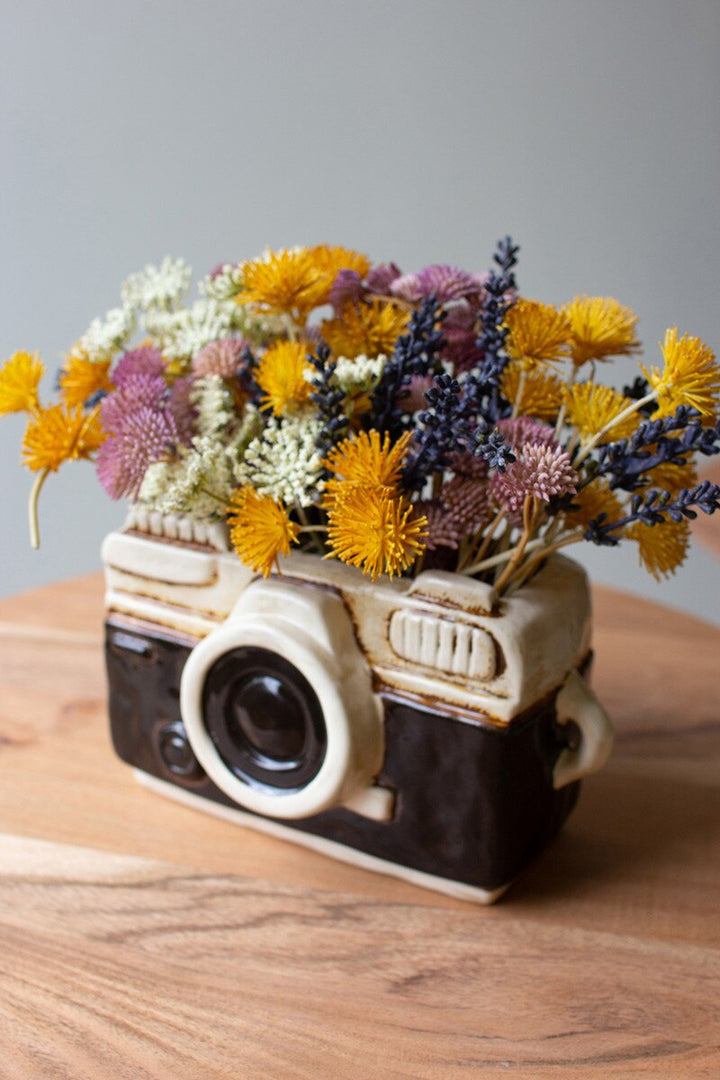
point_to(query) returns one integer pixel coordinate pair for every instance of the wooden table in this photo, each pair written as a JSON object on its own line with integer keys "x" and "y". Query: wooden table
{"x": 141, "y": 939}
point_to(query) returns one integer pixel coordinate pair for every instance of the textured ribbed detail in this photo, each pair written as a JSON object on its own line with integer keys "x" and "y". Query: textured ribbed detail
{"x": 212, "y": 534}
{"x": 453, "y": 647}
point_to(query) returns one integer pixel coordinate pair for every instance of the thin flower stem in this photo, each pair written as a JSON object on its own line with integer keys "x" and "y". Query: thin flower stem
{"x": 531, "y": 564}
{"x": 33, "y": 507}
{"x": 501, "y": 557}
{"x": 486, "y": 540}
{"x": 520, "y": 392}
{"x": 212, "y": 495}
{"x": 530, "y": 519}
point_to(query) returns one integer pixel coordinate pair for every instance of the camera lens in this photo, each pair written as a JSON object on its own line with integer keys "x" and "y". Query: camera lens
{"x": 265, "y": 719}
{"x": 268, "y": 718}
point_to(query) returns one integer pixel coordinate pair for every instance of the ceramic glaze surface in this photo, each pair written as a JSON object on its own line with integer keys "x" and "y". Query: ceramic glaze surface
{"x": 429, "y": 723}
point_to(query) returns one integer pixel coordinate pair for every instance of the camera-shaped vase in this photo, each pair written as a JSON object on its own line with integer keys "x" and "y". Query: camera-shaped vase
{"x": 422, "y": 727}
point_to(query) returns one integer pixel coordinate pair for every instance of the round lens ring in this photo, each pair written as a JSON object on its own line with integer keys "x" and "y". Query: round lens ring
{"x": 265, "y": 719}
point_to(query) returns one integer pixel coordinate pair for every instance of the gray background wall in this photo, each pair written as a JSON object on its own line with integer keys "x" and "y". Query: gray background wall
{"x": 414, "y": 131}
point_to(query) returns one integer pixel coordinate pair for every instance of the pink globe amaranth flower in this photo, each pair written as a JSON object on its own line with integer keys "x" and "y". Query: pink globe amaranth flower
{"x": 347, "y": 288}
{"x": 461, "y": 348}
{"x": 147, "y": 360}
{"x": 221, "y": 357}
{"x": 467, "y": 500}
{"x": 522, "y": 430}
{"x": 540, "y": 471}
{"x": 444, "y": 282}
{"x": 381, "y": 277}
{"x": 407, "y": 287}
{"x": 136, "y": 391}
{"x": 148, "y": 436}
{"x": 469, "y": 465}
{"x": 443, "y": 531}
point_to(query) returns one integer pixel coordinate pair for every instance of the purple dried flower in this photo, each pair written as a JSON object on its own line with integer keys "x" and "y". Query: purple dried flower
{"x": 541, "y": 471}
{"x": 407, "y": 287}
{"x": 467, "y": 501}
{"x": 147, "y": 360}
{"x": 136, "y": 391}
{"x": 470, "y": 465}
{"x": 444, "y": 282}
{"x": 347, "y": 288}
{"x": 522, "y": 430}
{"x": 221, "y": 357}
{"x": 381, "y": 278}
{"x": 442, "y": 528}
{"x": 147, "y": 436}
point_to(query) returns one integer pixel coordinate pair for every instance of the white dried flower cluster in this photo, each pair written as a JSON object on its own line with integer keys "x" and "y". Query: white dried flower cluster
{"x": 105, "y": 336}
{"x": 224, "y": 284}
{"x": 198, "y": 485}
{"x": 182, "y": 334}
{"x": 162, "y": 287}
{"x": 360, "y": 374}
{"x": 284, "y": 461}
{"x": 214, "y": 404}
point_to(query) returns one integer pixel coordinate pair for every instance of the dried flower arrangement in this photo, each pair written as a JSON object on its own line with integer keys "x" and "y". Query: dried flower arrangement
{"x": 393, "y": 421}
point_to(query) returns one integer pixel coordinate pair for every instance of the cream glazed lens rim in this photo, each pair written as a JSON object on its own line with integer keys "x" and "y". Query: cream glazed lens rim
{"x": 352, "y": 721}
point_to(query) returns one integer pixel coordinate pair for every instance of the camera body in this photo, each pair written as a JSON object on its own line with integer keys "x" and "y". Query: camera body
{"x": 419, "y": 727}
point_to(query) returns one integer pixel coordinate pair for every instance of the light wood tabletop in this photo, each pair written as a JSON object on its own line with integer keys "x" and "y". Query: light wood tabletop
{"x": 142, "y": 939}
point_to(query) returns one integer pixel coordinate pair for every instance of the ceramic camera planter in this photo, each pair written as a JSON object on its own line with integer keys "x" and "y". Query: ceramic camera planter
{"x": 420, "y": 727}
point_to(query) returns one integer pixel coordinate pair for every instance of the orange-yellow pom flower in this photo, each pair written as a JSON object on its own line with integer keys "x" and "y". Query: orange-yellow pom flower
{"x": 365, "y": 329}
{"x": 661, "y": 548}
{"x": 690, "y": 376}
{"x": 593, "y": 408}
{"x": 260, "y": 529}
{"x": 58, "y": 434}
{"x": 281, "y": 376}
{"x": 19, "y": 380}
{"x": 369, "y": 459}
{"x": 375, "y": 530}
{"x": 600, "y": 327}
{"x": 532, "y": 391}
{"x": 539, "y": 333}
{"x": 82, "y": 377}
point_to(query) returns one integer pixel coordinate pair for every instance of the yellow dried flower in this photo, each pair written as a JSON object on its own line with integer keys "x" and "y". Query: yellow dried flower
{"x": 365, "y": 329}
{"x": 330, "y": 260}
{"x": 295, "y": 281}
{"x": 286, "y": 282}
{"x": 672, "y": 478}
{"x": 281, "y": 375}
{"x": 661, "y": 548}
{"x": 538, "y": 333}
{"x": 592, "y": 407}
{"x": 59, "y": 434}
{"x": 600, "y": 327}
{"x": 260, "y": 529}
{"x": 367, "y": 460}
{"x": 591, "y": 501}
{"x": 533, "y": 392}
{"x": 374, "y": 529}
{"x": 690, "y": 376}
{"x": 82, "y": 377}
{"x": 19, "y": 381}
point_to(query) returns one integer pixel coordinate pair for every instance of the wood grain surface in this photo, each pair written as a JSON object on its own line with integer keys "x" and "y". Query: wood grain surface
{"x": 141, "y": 939}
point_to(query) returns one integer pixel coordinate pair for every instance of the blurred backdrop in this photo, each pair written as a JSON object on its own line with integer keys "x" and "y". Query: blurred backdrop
{"x": 411, "y": 130}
